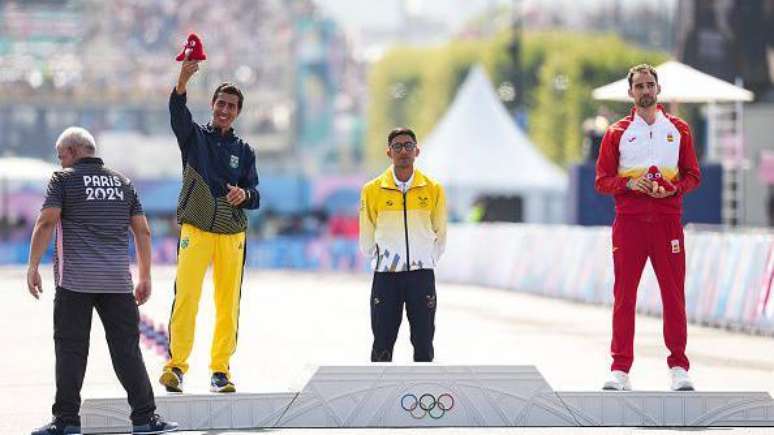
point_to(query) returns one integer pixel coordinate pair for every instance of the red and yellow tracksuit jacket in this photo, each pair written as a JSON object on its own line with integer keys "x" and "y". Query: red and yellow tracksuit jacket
{"x": 631, "y": 146}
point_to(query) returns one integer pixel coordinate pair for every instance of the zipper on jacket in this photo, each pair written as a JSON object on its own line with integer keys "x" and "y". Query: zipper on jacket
{"x": 405, "y": 228}
{"x": 378, "y": 258}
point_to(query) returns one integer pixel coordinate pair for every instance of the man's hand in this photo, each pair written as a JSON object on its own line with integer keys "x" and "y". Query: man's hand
{"x": 661, "y": 192}
{"x": 187, "y": 70}
{"x": 142, "y": 292}
{"x": 640, "y": 184}
{"x": 236, "y": 195}
{"x": 34, "y": 283}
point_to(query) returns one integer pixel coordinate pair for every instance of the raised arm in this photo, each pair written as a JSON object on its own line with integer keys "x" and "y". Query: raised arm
{"x": 180, "y": 117}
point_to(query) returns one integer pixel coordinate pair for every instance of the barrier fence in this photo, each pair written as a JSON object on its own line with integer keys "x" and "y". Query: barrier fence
{"x": 729, "y": 279}
{"x": 728, "y": 275}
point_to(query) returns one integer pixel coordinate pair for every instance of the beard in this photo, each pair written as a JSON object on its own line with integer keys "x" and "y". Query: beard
{"x": 646, "y": 102}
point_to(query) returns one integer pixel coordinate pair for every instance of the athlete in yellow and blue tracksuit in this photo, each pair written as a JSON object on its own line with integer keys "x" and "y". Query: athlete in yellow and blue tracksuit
{"x": 403, "y": 231}
{"x": 219, "y": 182}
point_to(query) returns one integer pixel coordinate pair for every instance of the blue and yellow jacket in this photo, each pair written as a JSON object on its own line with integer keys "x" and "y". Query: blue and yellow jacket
{"x": 210, "y": 161}
{"x": 402, "y": 231}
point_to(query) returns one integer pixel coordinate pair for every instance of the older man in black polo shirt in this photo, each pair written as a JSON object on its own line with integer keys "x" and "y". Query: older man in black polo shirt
{"x": 92, "y": 208}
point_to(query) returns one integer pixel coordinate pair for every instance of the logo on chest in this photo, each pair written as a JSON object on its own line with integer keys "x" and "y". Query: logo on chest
{"x": 234, "y": 162}
{"x": 670, "y": 138}
{"x": 424, "y": 201}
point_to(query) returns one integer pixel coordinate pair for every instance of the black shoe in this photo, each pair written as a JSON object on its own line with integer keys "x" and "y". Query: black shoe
{"x": 172, "y": 380}
{"x": 57, "y": 428}
{"x": 154, "y": 426}
{"x": 220, "y": 383}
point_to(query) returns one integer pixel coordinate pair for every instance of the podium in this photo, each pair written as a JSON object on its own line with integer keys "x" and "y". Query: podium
{"x": 384, "y": 395}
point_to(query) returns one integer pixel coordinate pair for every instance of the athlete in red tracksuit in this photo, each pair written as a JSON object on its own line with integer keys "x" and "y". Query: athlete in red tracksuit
{"x": 647, "y": 221}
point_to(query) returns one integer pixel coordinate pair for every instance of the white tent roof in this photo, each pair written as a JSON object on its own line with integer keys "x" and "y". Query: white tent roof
{"x": 476, "y": 144}
{"x": 682, "y": 84}
{"x": 25, "y": 169}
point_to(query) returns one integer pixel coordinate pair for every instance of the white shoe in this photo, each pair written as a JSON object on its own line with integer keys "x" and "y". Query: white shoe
{"x": 681, "y": 381}
{"x": 619, "y": 381}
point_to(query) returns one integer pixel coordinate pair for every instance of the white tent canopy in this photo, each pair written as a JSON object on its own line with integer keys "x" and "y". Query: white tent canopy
{"x": 25, "y": 169}
{"x": 681, "y": 84}
{"x": 477, "y": 144}
{"x": 476, "y": 149}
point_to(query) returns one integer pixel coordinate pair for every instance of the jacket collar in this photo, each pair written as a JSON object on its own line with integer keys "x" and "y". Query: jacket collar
{"x": 89, "y": 161}
{"x": 209, "y": 128}
{"x": 660, "y": 114}
{"x": 387, "y": 180}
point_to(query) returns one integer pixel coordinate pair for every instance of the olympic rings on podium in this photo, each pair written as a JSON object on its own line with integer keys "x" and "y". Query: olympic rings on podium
{"x": 427, "y": 404}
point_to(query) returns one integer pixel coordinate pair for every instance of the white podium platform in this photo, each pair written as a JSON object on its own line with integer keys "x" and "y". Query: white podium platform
{"x": 378, "y": 396}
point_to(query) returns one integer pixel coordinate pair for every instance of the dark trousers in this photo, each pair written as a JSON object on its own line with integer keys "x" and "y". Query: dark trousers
{"x": 72, "y": 326}
{"x": 390, "y": 290}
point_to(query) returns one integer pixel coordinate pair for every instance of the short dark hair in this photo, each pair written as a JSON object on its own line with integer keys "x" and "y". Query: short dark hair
{"x": 229, "y": 88}
{"x": 643, "y": 67}
{"x": 399, "y": 131}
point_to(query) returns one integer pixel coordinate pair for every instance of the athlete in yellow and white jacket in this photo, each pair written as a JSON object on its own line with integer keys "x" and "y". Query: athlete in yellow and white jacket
{"x": 403, "y": 231}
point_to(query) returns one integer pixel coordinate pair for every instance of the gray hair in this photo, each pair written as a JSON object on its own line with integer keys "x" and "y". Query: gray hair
{"x": 78, "y": 138}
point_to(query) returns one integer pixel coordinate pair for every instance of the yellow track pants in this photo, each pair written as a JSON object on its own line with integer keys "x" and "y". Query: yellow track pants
{"x": 196, "y": 251}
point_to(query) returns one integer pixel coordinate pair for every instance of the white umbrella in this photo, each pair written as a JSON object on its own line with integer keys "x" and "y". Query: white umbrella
{"x": 25, "y": 169}
{"x": 680, "y": 84}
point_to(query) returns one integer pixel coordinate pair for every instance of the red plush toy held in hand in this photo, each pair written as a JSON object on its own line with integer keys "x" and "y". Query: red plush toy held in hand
{"x": 655, "y": 175}
{"x": 193, "y": 48}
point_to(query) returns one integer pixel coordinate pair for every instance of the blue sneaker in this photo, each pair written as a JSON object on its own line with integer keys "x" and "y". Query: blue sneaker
{"x": 154, "y": 426}
{"x": 56, "y": 427}
{"x": 220, "y": 383}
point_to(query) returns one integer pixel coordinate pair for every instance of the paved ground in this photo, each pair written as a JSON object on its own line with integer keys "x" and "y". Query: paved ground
{"x": 293, "y": 322}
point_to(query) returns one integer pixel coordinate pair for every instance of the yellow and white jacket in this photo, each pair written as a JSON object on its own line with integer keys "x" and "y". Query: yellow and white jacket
{"x": 402, "y": 231}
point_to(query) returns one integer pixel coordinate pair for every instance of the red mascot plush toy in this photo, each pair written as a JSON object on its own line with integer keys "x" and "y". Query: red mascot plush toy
{"x": 193, "y": 48}
{"x": 655, "y": 175}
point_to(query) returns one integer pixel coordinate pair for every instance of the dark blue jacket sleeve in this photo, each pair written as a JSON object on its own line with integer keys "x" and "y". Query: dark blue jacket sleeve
{"x": 181, "y": 119}
{"x": 249, "y": 181}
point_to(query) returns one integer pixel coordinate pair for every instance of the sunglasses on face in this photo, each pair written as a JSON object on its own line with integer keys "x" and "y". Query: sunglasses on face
{"x": 408, "y": 146}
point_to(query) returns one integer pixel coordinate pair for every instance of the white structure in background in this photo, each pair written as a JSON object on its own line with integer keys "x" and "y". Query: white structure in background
{"x": 477, "y": 149}
{"x": 22, "y": 173}
{"x": 140, "y": 156}
{"x": 25, "y": 170}
{"x": 725, "y": 141}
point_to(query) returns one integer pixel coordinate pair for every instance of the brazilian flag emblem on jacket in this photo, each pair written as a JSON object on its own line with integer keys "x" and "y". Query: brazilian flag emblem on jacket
{"x": 184, "y": 243}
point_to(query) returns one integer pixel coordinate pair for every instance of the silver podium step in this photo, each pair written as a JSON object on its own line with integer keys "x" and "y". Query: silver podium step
{"x": 192, "y": 411}
{"x": 381, "y": 395}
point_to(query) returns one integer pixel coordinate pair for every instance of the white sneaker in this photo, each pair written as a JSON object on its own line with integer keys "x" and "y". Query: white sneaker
{"x": 681, "y": 381}
{"x": 619, "y": 381}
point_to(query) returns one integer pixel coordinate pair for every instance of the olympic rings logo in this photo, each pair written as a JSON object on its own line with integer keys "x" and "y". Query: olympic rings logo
{"x": 427, "y": 404}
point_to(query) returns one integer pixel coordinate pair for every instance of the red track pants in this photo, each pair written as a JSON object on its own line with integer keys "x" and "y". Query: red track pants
{"x": 635, "y": 239}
